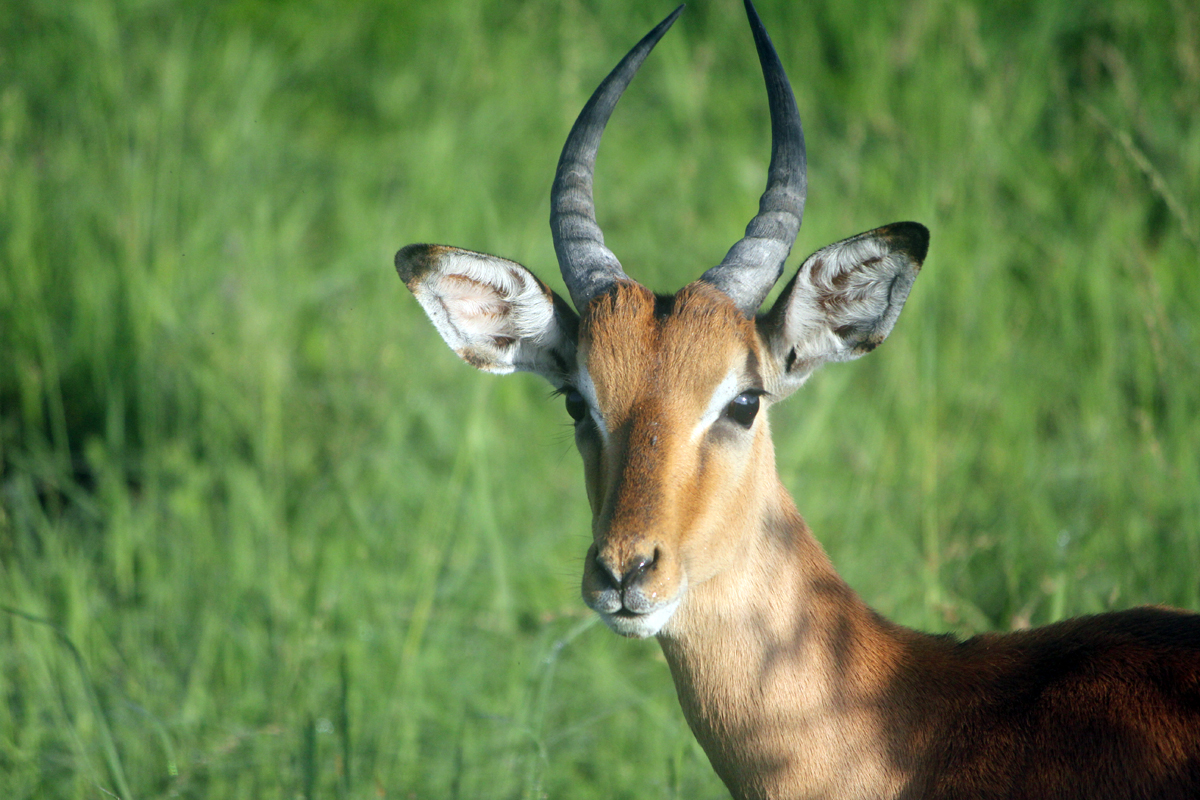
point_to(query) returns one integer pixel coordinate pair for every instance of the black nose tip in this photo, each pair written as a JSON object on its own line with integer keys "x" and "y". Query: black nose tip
{"x": 633, "y": 572}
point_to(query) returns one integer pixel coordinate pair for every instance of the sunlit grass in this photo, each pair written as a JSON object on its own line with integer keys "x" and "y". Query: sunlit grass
{"x": 262, "y": 534}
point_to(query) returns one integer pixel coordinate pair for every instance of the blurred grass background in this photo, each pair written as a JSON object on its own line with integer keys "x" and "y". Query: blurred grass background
{"x": 261, "y": 534}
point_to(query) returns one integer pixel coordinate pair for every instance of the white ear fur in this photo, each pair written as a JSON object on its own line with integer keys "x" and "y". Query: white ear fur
{"x": 844, "y": 300}
{"x": 493, "y": 312}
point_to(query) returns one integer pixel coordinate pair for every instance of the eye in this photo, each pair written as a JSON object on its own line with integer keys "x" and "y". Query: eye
{"x": 576, "y": 405}
{"x": 743, "y": 409}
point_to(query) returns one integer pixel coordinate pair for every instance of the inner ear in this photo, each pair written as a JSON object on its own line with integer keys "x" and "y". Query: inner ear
{"x": 494, "y": 313}
{"x": 844, "y": 300}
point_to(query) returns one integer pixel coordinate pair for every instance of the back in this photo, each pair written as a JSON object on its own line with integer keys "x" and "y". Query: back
{"x": 1106, "y": 706}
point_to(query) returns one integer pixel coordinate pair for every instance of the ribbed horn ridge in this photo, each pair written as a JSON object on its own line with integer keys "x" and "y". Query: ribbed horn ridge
{"x": 752, "y": 266}
{"x": 588, "y": 267}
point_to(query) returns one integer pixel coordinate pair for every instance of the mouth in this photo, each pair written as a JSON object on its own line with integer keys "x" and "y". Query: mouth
{"x": 637, "y": 625}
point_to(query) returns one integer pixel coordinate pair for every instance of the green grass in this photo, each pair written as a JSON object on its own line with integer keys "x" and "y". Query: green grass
{"x": 263, "y": 535}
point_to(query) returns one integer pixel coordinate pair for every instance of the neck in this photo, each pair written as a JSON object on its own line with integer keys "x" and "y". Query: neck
{"x": 786, "y": 689}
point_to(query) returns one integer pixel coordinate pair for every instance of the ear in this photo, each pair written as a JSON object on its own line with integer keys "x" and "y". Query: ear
{"x": 493, "y": 312}
{"x": 843, "y": 302}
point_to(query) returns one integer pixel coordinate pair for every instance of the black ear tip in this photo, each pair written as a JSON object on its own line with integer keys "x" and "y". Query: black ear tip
{"x": 412, "y": 261}
{"x": 911, "y": 237}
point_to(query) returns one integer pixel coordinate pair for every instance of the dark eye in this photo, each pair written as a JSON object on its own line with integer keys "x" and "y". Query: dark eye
{"x": 743, "y": 409}
{"x": 576, "y": 405}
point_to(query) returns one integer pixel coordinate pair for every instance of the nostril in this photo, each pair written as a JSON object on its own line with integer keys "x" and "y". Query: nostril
{"x": 639, "y": 569}
{"x": 607, "y": 573}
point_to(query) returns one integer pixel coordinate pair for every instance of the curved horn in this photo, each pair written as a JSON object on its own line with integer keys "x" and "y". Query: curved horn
{"x": 752, "y": 266}
{"x": 588, "y": 267}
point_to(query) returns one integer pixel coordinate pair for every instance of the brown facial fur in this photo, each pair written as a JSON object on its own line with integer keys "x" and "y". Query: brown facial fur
{"x": 659, "y": 490}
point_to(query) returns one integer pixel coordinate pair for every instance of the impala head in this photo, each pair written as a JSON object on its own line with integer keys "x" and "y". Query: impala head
{"x": 668, "y": 393}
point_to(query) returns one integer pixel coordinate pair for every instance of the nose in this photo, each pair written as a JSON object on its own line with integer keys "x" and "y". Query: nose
{"x": 622, "y": 577}
{"x": 635, "y": 588}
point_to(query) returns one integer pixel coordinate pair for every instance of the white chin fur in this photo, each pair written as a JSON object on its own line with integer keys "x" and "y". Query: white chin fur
{"x": 641, "y": 626}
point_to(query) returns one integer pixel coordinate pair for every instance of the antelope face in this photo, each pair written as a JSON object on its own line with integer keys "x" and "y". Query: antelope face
{"x": 667, "y": 392}
{"x": 666, "y": 419}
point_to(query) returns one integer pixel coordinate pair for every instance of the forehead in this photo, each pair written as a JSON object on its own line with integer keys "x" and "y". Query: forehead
{"x": 633, "y": 344}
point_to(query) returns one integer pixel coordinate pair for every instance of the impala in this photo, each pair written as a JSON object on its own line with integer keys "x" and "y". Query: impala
{"x": 793, "y": 686}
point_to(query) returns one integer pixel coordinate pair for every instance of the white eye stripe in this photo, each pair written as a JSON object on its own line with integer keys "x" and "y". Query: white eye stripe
{"x": 583, "y": 382}
{"x": 729, "y": 388}
{"x": 722, "y": 396}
